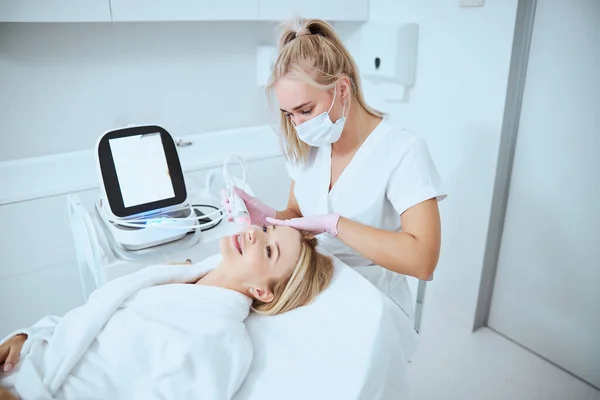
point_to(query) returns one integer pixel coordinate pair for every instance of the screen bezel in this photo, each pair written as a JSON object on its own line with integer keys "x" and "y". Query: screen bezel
{"x": 111, "y": 181}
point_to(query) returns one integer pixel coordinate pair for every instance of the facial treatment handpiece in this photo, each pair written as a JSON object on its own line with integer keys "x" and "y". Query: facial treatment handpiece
{"x": 239, "y": 212}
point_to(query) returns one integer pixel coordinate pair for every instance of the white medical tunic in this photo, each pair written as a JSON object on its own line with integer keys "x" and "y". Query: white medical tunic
{"x": 391, "y": 172}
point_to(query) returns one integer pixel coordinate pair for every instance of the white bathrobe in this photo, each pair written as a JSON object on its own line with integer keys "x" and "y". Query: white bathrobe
{"x": 147, "y": 335}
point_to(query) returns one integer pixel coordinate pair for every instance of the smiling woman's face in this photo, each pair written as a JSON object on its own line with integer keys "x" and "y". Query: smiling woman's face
{"x": 262, "y": 255}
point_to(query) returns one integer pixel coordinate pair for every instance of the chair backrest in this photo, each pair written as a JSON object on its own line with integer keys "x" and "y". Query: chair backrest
{"x": 417, "y": 290}
{"x": 419, "y": 302}
{"x": 87, "y": 248}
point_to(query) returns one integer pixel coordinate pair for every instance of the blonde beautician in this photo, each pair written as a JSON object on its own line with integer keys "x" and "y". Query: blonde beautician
{"x": 369, "y": 188}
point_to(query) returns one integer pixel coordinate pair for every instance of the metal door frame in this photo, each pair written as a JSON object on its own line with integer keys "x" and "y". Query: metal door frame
{"x": 508, "y": 140}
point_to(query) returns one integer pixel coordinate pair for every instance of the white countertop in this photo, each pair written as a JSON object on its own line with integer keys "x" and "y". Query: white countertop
{"x": 31, "y": 178}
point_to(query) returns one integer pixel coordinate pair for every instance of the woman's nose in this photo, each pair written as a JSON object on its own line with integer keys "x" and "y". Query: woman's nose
{"x": 251, "y": 236}
{"x": 297, "y": 120}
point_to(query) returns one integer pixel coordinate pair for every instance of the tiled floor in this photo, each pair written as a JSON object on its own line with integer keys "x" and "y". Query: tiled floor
{"x": 454, "y": 364}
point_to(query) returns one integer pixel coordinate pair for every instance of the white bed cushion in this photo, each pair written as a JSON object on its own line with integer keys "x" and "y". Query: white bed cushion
{"x": 351, "y": 343}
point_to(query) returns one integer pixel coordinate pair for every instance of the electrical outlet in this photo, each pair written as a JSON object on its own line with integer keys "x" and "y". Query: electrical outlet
{"x": 470, "y": 3}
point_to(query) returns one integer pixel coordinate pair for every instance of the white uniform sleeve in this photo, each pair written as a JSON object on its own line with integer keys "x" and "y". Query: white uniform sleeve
{"x": 41, "y": 330}
{"x": 415, "y": 178}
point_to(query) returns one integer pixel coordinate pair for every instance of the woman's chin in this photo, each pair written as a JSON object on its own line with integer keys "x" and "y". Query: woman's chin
{"x": 224, "y": 246}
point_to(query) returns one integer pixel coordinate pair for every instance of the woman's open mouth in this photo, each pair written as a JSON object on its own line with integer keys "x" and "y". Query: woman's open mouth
{"x": 237, "y": 242}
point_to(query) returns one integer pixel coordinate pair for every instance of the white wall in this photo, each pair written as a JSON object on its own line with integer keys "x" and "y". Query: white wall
{"x": 457, "y": 104}
{"x": 63, "y": 85}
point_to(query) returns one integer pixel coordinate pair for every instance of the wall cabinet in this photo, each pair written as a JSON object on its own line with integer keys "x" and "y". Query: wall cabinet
{"x": 184, "y": 10}
{"x": 36, "y": 234}
{"x": 54, "y": 11}
{"x": 27, "y": 298}
{"x": 333, "y": 10}
{"x": 179, "y": 10}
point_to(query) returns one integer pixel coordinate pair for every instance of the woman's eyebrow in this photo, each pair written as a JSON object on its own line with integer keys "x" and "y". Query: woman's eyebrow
{"x": 297, "y": 107}
{"x": 273, "y": 227}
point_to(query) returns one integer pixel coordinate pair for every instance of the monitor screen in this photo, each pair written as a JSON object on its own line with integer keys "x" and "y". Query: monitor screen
{"x": 142, "y": 169}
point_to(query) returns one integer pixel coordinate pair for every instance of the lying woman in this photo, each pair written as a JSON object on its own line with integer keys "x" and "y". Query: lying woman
{"x": 152, "y": 334}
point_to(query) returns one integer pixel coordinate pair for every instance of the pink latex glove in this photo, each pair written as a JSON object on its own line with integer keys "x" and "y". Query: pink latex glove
{"x": 315, "y": 224}
{"x": 258, "y": 210}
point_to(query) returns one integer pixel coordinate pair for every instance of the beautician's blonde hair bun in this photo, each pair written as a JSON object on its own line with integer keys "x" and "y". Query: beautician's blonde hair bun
{"x": 311, "y": 50}
{"x": 311, "y": 275}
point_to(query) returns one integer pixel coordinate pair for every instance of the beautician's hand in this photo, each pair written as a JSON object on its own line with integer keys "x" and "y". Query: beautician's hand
{"x": 10, "y": 351}
{"x": 258, "y": 210}
{"x": 316, "y": 224}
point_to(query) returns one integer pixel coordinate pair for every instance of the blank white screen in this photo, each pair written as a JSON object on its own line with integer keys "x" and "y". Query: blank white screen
{"x": 142, "y": 169}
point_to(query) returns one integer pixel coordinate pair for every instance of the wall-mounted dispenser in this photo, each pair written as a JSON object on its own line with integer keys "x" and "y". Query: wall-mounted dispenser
{"x": 389, "y": 52}
{"x": 386, "y": 55}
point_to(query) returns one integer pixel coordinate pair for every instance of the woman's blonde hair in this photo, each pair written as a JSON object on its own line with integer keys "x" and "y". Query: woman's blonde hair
{"x": 311, "y": 275}
{"x": 310, "y": 50}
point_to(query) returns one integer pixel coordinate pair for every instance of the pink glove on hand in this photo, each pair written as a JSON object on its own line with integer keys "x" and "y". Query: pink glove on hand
{"x": 258, "y": 210}
{"x": 316, "y": 224}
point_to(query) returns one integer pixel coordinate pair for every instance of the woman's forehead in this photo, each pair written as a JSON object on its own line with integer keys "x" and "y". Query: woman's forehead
{"x": 286, "y": 233}
{"x": 289, "y": 241}
{"x": 292, "y": 92}
{"x": 289, "y": 87}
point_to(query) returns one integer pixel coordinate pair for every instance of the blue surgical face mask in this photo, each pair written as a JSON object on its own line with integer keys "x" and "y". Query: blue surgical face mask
{"x": 320, "y": 130}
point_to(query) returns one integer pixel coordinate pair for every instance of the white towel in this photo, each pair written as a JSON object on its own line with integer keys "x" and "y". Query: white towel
{"x": 145, "y": 335}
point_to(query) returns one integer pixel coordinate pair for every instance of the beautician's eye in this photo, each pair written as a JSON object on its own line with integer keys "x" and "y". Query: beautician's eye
{"x": 307, "y": 112}
{"x": 269, "y": 251}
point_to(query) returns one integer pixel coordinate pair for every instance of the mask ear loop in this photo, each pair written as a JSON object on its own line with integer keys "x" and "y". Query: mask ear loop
{"x": 333, "y": 102}
{"x": 343, "y": 105}
{"x": 344, "y": 114}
